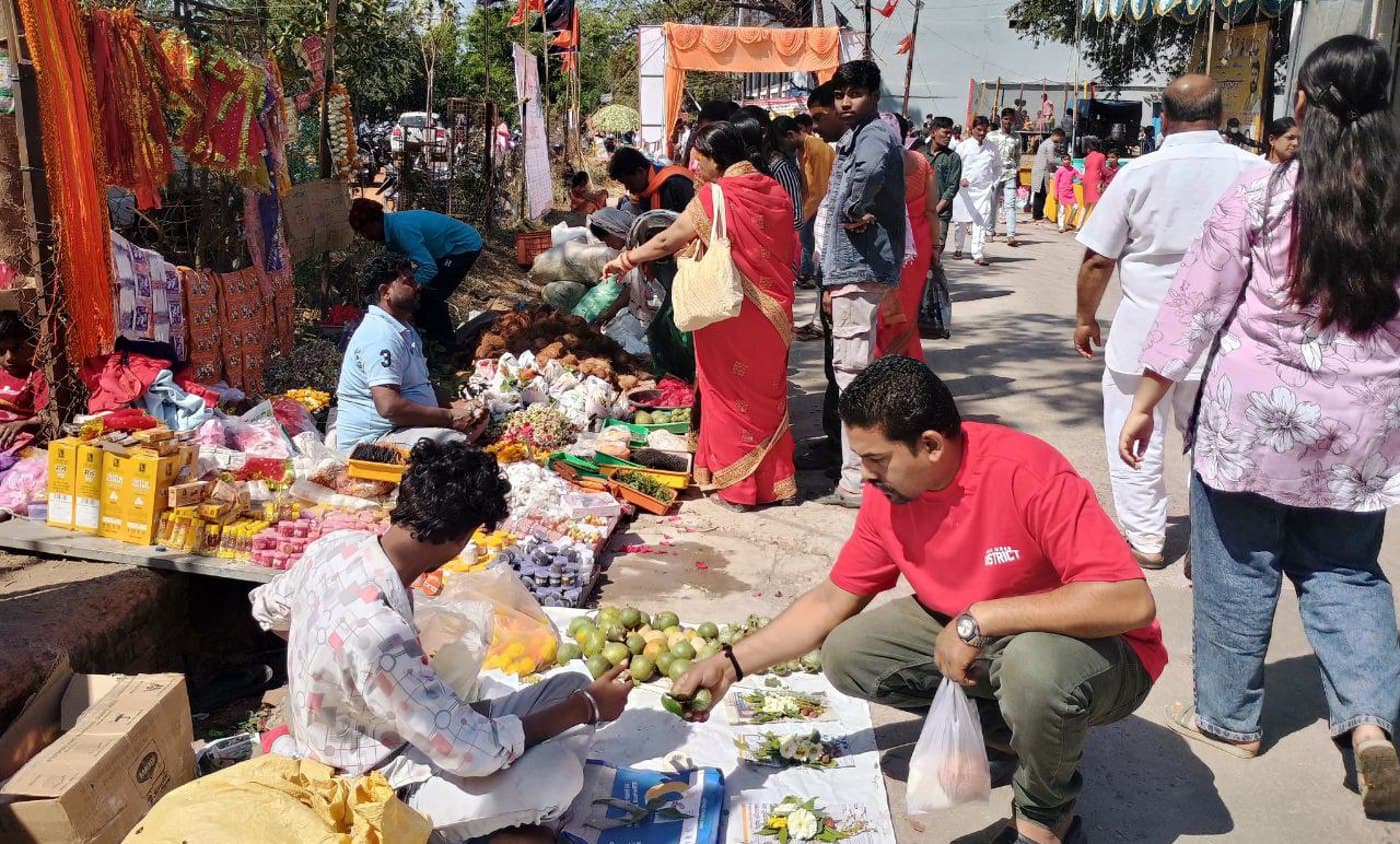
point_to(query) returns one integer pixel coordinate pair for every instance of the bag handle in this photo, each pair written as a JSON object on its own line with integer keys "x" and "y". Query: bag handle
{"x": 719, "y": 229}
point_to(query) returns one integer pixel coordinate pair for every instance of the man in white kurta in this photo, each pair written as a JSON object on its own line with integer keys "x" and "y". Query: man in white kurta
{"x": 1146, "y": 220}
{"x": 981, "y": 168}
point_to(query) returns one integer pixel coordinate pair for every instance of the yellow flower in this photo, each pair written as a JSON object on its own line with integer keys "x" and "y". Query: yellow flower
{"x": 778, "y": 823}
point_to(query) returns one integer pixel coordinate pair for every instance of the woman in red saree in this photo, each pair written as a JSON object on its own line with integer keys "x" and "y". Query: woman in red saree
{"x": 745, "y": 446}
{"x": 899, "y": 334}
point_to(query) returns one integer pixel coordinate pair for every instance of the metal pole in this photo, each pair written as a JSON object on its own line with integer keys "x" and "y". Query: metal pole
{"x": 868, "y": 53}
{"x": 909, "y": 65}
{"x": 1074, "y": 98}
{"x": 1210, "y": 37}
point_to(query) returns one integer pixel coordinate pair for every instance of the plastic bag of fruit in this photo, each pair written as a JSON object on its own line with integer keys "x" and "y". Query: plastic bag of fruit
{"x": 949, "y": 764}
{"x": 524, "y": 640}
{"x": 456, "y": 636}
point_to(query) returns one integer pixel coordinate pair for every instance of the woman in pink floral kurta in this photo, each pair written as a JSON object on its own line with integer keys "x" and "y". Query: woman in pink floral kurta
{"x": 1295, "y": 284}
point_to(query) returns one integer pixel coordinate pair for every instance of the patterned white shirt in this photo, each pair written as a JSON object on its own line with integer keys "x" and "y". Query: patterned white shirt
{"x": 1009, "y": 145}
{"x": 359, "y": 687}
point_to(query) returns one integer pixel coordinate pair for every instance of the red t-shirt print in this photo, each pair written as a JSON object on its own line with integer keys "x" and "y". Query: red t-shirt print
{"x": 1017, "y": 520}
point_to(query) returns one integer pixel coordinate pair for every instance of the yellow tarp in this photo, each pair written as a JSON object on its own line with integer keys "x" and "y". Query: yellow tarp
{"x": 277, "y": 800}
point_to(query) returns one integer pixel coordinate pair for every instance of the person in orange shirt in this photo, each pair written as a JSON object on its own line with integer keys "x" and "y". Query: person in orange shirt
{"x": 816, "y": 157}
{"x": 650, "y": 187}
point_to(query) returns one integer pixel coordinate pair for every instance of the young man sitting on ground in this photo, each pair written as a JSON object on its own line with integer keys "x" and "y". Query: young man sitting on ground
{"x": 1024, "y": 592}
{"x": 362, "y": 695}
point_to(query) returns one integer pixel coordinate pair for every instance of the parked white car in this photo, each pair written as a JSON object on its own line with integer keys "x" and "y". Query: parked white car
{"x": 411, "y": 130}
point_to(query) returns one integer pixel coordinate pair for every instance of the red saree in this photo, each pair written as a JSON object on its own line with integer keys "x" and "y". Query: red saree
{"x": 901, "y": 336}
{"x": 745, "y": 445}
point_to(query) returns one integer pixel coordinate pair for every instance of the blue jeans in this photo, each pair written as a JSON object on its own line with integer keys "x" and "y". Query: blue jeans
{"x": 808, "y": 237}
{"x": 1242, "y": 545}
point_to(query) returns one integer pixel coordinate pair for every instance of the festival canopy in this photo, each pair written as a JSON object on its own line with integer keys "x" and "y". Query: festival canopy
{"x": 1185, "y": 11}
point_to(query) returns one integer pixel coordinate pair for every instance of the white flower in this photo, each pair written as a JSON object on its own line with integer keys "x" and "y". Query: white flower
{"x": 802, "y": 825}
{"x": 1202, "y": 327}
{"x": 1374, "y": 486}
{"x": 788, "y": 748}
{"x": 1392, "y": 414}
{"x": 1281, "y": 421}
{"x": 779, "y": 704}
{"x": 1336, "y": 437}
{"x": 1221, "y": 448}
{"x": 783, "y": 809}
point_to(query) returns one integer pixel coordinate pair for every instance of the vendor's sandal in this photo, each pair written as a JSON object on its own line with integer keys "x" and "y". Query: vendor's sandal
{"x": 1378, "y": 775}
{"x": 1181, "y": 719}
{"x": 1013, "y": 242}
{"x": 808, "y": 332}
{"x": 981, "y": 262}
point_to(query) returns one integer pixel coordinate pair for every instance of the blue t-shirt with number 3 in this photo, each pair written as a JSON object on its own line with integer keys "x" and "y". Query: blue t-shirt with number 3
{"x": 383, "y": 352}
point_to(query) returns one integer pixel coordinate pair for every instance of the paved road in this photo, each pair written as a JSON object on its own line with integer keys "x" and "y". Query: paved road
{"x": 1010, "y": 362}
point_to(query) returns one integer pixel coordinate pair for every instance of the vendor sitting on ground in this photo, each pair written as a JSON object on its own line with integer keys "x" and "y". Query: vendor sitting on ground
{"x": 650, "y": 187}
{"x": 24, "y": 393}
{"x": 384, "y": 394}
{"x": 583, "y": 198}
{"x": 1024, "y": 592}
{"x": 609, "y": 226}
{"x": 442, "y": 249}
{"x": 362, "y": 695}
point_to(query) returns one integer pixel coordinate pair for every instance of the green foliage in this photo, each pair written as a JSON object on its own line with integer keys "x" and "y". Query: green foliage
{"x": 1118, "y": 49}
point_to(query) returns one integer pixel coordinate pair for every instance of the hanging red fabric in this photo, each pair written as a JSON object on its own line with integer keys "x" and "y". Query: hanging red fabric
{"x": 76, "y": 171}
{"x": 889, "y": 8}
{"x": 905, "y": 44}
{"x": 522, "y": 12}
{"x": 129, "y": 102}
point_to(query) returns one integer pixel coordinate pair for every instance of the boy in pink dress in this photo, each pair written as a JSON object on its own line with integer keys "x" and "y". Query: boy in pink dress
{"x": 1065, "y": 177}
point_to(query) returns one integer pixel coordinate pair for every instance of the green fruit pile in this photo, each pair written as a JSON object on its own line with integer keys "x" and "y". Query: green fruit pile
{"x": 661, "y": 417}
{"x": 657, "y": 646}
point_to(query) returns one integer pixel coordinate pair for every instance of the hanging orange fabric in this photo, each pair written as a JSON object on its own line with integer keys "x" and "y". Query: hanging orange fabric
{"x": 524, "y": 9}
{"x": 728, "y": 49}
{"x": 75, "y": 171}
{"x": 129, "y": 103}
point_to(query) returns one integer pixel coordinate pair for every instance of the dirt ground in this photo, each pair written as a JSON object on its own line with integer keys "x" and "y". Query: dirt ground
{"x": 1009, "y": 361}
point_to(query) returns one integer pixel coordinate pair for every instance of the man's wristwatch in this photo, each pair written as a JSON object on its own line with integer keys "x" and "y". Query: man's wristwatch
{"x": 969, "y": 632}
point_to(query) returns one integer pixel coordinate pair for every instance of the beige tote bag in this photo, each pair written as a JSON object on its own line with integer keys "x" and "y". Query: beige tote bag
{"x": 708, "y": 288}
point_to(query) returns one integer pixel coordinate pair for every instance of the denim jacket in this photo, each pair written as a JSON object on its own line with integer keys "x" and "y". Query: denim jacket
{"x": 868, "y": 178}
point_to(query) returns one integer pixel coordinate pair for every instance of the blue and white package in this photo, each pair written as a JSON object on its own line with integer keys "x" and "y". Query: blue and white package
{"x": 632, "y": 806}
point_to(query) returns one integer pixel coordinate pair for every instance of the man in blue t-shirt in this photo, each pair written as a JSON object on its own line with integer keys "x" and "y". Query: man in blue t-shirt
{"x": 384, "y": 392}
{"x": 441, "y": 248}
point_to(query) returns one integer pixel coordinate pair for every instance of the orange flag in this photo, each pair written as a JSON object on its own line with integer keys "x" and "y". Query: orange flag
{"x": 522, "y": 12}
{"x": 570, "y": 62}
{"x": 905, "y": 44}
{"x": 567, "y": 37}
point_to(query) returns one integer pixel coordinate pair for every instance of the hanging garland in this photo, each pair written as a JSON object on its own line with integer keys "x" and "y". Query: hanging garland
{"x": 342, "y": 132}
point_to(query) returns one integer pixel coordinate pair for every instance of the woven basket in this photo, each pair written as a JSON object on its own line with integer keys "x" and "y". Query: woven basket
{"x": 530, "y": 245}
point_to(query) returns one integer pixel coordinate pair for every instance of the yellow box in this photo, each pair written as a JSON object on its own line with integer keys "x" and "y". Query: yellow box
{"x": 87, "y": 500}
{"x": 146, "y": 495}
{"x": 116, "y": 482}
{"x": 63, "y": 481}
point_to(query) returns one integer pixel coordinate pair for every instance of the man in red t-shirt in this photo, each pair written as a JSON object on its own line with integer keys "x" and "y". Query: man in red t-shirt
{"x": 1024, "y": 593}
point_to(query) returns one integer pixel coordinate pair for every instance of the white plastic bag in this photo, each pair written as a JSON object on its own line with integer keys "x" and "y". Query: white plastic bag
{"x": 456, "y": 635}
{"x": 949, "y": 765}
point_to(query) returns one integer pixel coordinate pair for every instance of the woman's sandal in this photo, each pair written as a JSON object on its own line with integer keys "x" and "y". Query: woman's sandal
{"x": 1181, "y": 719}
{"x": 1378, "y": 775}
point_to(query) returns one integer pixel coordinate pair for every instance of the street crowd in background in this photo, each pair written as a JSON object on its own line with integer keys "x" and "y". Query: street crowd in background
{"x": 1260, "y": 316}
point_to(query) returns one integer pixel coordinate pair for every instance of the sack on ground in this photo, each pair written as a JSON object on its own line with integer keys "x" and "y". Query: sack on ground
{"x": 708, "y": 289}
{"x": 949, "y": 765}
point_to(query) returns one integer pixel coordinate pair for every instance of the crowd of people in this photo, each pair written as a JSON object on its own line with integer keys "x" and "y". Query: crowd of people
{"x": 1260, "y": 310}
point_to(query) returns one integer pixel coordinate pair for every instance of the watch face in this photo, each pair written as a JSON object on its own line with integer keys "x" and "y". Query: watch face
{"x": 967, "y": 628}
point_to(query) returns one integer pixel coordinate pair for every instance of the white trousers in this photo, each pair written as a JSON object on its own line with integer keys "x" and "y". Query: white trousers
{"x": 1004, "y": 203}
{"x": 979, "y": 238}
{"x": 1063, "y": 215}
{"x": 538, "y": 788}
{"x": 855, "y": 314}
{"x": 1140, "y": 495}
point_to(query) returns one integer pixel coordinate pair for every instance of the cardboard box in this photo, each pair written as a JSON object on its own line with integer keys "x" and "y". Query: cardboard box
{"x": 90, "y": 754}
{"x": 87, "y": 501}
{"x": 114, "y": 490}
{"x": 150, "y": 477}
{"x": 184, "y": 495}
{"x": 63, "y": 481}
